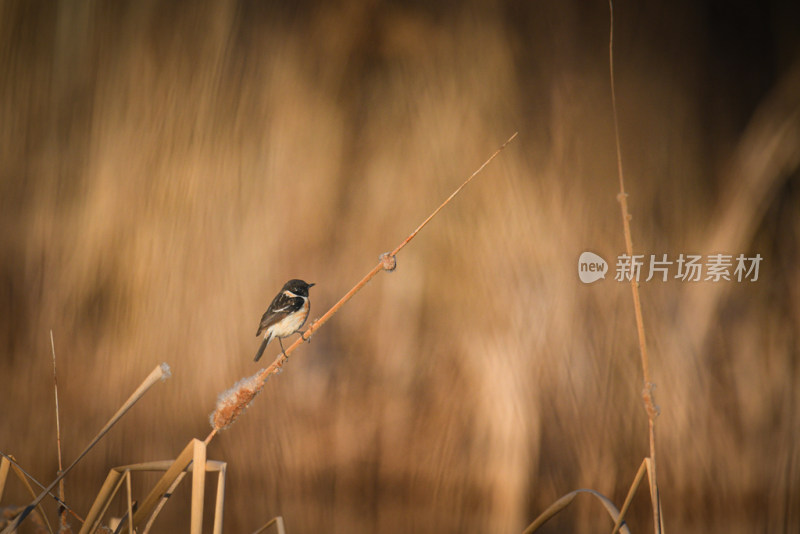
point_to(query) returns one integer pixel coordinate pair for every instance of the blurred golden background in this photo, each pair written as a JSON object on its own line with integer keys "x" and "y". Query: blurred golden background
{"x": 167, "y": 166}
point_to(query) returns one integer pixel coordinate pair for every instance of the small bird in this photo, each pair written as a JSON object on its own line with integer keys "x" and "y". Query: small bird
{"x": 287, "y": 313}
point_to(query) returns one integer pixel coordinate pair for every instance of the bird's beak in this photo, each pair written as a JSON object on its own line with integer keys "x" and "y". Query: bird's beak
{"x": 311, "y": 285}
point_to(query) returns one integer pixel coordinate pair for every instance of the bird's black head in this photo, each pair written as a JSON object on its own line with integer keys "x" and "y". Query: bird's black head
{"x": 298, "y": 287}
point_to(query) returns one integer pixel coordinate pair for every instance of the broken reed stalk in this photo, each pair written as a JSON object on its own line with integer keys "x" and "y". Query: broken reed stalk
{"x": 8, "y": 463}
{"x": 646, "y": 465}
{"x": 647, "y": 392}
{"x": 277, "y": 521}
{"x": 162, "y": 503}
{"x": 6, "y": 460}
{"x": 161, "y": 372}
{"x": 61, "y": 510}
{"x": 234, "y": 401}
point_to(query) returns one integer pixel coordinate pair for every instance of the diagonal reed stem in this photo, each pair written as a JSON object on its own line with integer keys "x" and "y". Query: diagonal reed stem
{"x": 387, "y": 262}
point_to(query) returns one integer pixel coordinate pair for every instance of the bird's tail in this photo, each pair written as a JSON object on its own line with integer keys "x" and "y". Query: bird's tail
{"x": 263, "y": 346}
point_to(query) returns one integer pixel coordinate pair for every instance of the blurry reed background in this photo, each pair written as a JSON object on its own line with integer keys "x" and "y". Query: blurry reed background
{"x": 167, "y": 166}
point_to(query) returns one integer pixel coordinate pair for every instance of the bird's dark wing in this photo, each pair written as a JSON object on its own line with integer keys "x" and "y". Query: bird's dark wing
{"x": 281, "y": 306}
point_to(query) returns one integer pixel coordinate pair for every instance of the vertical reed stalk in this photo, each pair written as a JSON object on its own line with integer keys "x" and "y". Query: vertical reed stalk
{"x": 647, "y": 391}
{"x": 61, "y": 510}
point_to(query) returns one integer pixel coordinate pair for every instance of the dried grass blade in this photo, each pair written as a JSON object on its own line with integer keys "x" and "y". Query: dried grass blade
{"x": 277, "y": 521}
{"x": 566, "y": 500}
{"x": 4, "y": 465}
